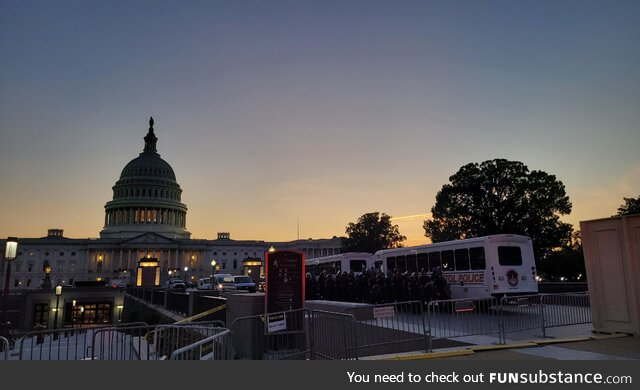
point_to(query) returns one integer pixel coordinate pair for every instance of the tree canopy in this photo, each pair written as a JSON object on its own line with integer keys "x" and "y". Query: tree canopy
{"x": 630, "y": 206}
{"x": 501, "y": 197}
{"x": 371, "y": 233}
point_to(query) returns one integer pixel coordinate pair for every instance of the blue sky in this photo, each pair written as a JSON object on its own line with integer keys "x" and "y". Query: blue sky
{"x": 272, "y": 112}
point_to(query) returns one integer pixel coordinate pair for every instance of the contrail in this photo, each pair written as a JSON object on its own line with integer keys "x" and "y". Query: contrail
{"x": 411, "y": 217}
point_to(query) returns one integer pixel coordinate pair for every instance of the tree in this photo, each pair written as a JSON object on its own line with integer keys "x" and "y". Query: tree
{"x": 565, "y": 263}
{"x": 630, "y": 206}
{"x": 371, "y": 233}
{"x": 501, "y": 196}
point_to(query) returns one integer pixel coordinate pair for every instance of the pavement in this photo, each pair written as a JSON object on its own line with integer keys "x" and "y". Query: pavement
{"x": 589, "y": 346}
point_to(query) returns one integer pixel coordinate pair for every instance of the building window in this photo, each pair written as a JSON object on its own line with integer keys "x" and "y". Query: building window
{"x": 30, "y": 267}
{"x": 41, "y": 314}
{"x": 19, "y": 253}
{"x": 61, "y": 253}
{"x": 73, "y": 253}
{"x": 224, "y": 265}
{"x": 215, "y": 253}
{"x": 235, "y": 263}
{"x": 46, "y": 253}
{"x": 16, "y": 283}
{"x": 28, "y": 282}
{"x": 60, "y": 266}
{"x": 71, "y": 281}
{"x": 18, "y": 266}
{"x": 99, "y": 268}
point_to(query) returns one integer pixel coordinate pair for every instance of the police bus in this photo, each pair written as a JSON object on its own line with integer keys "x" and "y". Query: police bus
{"x": 355, "y": 262}
{"x": 481, "y": 267}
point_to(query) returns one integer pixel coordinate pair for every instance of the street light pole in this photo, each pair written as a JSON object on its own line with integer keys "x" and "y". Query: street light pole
{"x": 11, "y": 251}
{"x": 55, "y": 317}
{"x": 185, "y": 274}
{"x": 213, "y": 267}
{"x": 10, "y": 254}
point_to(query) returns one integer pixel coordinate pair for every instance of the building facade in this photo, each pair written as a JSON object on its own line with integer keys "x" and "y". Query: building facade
{"x": 145, "y": 219}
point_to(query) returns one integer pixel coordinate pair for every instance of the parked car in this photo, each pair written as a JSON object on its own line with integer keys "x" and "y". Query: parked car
{"x": 204, "y": 284}
{"x": 178, "y": 286}
{"x": 223, "y": 283}
{"x": 244, "y": 283}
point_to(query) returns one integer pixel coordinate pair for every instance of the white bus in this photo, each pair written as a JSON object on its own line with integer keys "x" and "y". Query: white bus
{"x": 355, "y": 262}
{"x": 479, "y": 267}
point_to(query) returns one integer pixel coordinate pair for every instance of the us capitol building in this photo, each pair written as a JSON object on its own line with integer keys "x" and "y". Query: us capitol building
{"x": 145, "y": 219}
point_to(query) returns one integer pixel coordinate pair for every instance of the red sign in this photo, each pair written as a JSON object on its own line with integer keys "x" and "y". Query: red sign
{"x": 285, "y": 273}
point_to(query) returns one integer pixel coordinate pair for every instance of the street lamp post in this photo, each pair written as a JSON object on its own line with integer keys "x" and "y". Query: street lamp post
{"x": 185, "y": 274}
{"x": 55, "y": 317}
{"x": 213, "y": 266}
{"x": 10, "y": 254}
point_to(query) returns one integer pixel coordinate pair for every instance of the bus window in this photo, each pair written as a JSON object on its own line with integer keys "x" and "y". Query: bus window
{"x": 378, "y": 265}
{"x": 357, "y": 265}
{"x": 447, "y": 260}
{"x": 401, "y": 263}
{"x": 391, "y": 264}
{"x": 434, "y": 260}
{"x": 509, "y": 255}
{"x": 423, "y": 263}
{"x": 477, "y": 258}
{"x": 411, "y": 263}
{"x": 462, "y": 259}
{"x": 336, "y": 267}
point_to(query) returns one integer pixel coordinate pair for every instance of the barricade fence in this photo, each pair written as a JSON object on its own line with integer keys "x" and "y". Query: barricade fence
{"x": 4, "y": 348}
{"x": 453, "y": 318}
{"x": 389, "y": 328}
{"x": 216, "y": 347}
{"x": 155, "y": 342}
{"x": 458, "y": 318}
{"x": 334, "y": 336}
{"x": 273, "y": 336}
{"x": 61, "y": 344}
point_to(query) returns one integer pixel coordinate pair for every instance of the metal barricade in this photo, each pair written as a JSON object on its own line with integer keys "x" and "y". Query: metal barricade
{"x": 333, "y": 336}
{"x": 453, "y": 318}
{"x": 155, "y": 342}
{"x": 4, "y": 348}
{"x": 273, "y": 336}
{"x": 389, "y": 328}
{"x": 216, "y": 347}
{"x": 520, "y": 313}
{"x": 61, "y": 344}
{"x": 565, "y": 309}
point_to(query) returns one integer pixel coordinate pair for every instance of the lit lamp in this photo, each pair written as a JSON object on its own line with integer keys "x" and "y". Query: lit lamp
{"x": 55, "y": 318}
{"x": 272, "y": 249}
{"x": 120, "y": 307}
{"x": 185, "y": 273}
{"x": 213, "y": 266}
{"x": 10, "y": 254}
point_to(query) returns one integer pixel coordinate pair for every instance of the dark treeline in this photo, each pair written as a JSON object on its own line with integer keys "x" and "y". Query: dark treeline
{"x": 373, "y": 286}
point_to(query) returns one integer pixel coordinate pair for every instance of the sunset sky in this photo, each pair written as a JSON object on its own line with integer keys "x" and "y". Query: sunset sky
{"x": 274, "y": 112}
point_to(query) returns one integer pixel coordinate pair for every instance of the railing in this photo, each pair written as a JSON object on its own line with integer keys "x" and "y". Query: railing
{"x": 4, "y": 348}
{"x": 216, "y": 347}
{"x": 457, "y": 318}
{"x": 389, "y": 328}
{"x": 147, "y": 342}
{"x": 334, "y": 336}
{"x": 275, "y": 336}
{"x": 61, "y": 344}
{"x": 461, "y": 317}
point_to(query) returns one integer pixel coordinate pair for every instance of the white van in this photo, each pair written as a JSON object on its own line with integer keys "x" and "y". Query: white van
{"x": 223, "y": 283}
{"x": 204, "y": 284}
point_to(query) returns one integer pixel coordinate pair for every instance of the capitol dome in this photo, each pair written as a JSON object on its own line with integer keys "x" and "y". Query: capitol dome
{"x": 146, "y": 198}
